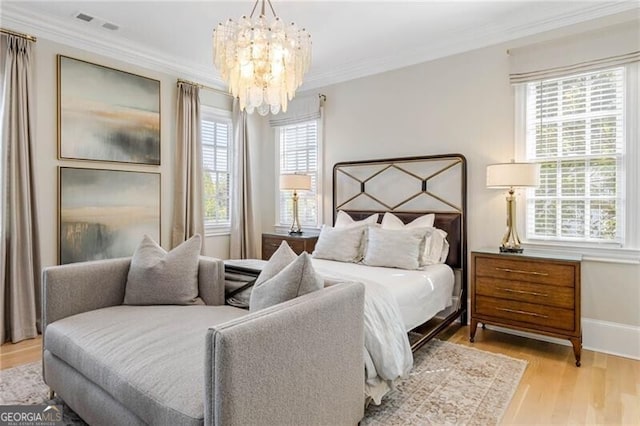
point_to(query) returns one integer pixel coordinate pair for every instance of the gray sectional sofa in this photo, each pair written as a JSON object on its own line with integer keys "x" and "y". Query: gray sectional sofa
{"x": 298, "y": 362}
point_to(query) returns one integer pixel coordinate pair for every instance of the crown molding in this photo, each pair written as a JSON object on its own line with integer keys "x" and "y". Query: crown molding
{"x": 57, "y": 30}
{"x": 464, "y": 41}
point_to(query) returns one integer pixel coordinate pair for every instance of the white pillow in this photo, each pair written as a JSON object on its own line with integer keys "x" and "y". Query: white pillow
{"x": 341, "y": 244}
{"x": 391, "y": 221}
{"x": 394, "y": 248}
{"x": 343, "y": 220}
{"x": 436, "y": 248}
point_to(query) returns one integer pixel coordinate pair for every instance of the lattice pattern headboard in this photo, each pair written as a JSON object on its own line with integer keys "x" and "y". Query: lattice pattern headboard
{"x": 409, "y": 187}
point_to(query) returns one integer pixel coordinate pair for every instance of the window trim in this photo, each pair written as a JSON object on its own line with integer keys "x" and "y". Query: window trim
{"x": 629, "y": 252}
{"x": 222, "y": 114}
{"x": 279, "y": 227}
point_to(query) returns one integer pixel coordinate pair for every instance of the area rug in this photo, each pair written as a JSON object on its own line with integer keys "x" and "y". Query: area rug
{"x": 449, "y": 385}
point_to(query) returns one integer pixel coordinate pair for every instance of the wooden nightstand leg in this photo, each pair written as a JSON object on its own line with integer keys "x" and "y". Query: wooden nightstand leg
{"x": 577, "y": 348}
{"x": 472, "y": 330}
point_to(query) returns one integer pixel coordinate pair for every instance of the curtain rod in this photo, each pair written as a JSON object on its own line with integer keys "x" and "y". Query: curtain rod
{"x": 14, "y": 33}
{"x": 202, "y": 86}
{"x": 322, "y": 97}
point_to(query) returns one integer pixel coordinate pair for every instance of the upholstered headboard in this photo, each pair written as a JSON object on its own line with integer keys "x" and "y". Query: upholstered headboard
{"x": 408, "y": 187}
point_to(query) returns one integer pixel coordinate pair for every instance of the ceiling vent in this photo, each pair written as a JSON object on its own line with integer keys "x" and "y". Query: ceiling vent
{"x": 96, "y": 21}
{"x": 110, "y": 26}
{"x": 83, "y": 17}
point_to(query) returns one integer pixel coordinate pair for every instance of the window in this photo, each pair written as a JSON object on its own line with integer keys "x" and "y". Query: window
{"x": 576, "y": 128}
{"x": 299, "y": 153}
{"x": 216, "y": 157}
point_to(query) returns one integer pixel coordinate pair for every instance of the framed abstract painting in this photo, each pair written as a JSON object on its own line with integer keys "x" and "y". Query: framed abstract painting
{"x": 107, "y": 115}
{"x": 104, "y": 214}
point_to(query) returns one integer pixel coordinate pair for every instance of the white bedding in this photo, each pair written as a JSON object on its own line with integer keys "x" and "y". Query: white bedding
{"x": 420, "y": 294}
{"x": 395, "y": 302}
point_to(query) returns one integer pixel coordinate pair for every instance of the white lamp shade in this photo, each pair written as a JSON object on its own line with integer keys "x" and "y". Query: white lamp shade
{"x": 513, "y": 175}
{"x": 295, "y": 181}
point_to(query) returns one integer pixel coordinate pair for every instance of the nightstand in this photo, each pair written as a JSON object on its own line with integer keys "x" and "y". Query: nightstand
{"x": 297, "y": 242}
{"x": 534, "y": 291}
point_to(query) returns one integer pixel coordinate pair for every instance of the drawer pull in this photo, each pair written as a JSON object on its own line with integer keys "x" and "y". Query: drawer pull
{"x": 518, "y": 271}
{"x": 515, "y": 311}
{"x": 532, "y": 293}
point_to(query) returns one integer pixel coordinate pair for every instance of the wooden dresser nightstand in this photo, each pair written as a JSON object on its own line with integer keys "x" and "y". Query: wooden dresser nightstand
{"x": 298, "y": 243}
{"x": 533, "y": 291}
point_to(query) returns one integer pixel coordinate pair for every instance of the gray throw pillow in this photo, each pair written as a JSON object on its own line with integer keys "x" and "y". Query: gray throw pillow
{"x": 160, "y": 278}
{"x": 295, "y": 279}
{"x": 279, "y": 259}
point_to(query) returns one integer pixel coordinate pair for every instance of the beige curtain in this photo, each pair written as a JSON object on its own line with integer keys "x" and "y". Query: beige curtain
{"x": 245, "y": 220}
{"x": 19, "y": 250}
{"x": 188, "y": 208}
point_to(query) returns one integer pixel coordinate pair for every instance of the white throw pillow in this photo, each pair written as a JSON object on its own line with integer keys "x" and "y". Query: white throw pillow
{"x": 394, "y": 248}
{"x": 341, "y": 244}
{"x": 160, "y": 278}
{"x": 436, "y": 248}
{"x": 391, "y": 221}
{"x": 343, "y": 220}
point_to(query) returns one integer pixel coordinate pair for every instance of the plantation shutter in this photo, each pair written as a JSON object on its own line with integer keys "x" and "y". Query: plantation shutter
{"x": 298, "y": 136}
{"x": 575, "y": 130}
{"x": 216, "y": 145}
{"x": 299, "y": 154}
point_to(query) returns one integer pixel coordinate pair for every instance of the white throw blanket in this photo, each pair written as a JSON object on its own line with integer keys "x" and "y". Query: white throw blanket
{"x": 387, "y": 352}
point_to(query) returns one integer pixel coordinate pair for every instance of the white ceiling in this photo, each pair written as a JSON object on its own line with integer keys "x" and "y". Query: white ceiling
{"x": 350, "y": 39}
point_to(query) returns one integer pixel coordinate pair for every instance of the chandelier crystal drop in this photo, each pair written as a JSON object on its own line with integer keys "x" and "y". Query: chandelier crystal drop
{"x": 263, "y": 61}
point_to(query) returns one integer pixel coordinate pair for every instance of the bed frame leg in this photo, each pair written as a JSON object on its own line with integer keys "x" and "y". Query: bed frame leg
{"x": 52, "y": 393}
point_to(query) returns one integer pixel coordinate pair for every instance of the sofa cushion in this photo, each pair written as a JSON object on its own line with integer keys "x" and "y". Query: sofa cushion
{"x": 294, "y": 279}
{"x": 148, "y": 358}
{"x": 160, "y": 278}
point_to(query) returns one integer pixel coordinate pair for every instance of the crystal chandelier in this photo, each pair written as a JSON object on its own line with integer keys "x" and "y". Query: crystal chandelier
{"x": 263, "y": 62}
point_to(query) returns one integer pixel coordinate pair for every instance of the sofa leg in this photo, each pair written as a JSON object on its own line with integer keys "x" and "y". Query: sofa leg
{"x": 51, "y": 393}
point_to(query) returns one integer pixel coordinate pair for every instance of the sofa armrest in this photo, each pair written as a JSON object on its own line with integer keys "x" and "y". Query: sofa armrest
{"x": 211, "y": 281}
{"x": 80, "y": 287}
{"x": 299, "y": 362}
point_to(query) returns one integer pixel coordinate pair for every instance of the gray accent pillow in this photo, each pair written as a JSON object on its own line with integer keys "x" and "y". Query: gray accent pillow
{"x": 394, "y": 248}
{"x": 160, "y": 278}
{"x": 295, "y": 279}
{"x": 341, "y": 244}
{"x": 279, "y": 259}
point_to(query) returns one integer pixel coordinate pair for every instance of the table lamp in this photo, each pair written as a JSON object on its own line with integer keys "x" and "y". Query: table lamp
{"x": 295, "y": 182}
{"x": 512, "y": 175}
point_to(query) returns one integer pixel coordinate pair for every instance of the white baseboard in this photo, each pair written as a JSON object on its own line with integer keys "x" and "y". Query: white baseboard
{"x": 611, "y": 338}
{"x": 600, "y": 336}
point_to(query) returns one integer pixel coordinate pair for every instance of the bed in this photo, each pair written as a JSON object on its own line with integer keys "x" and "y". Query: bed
{"x": 398, "y": 301}
{"x": 409, "y": 188}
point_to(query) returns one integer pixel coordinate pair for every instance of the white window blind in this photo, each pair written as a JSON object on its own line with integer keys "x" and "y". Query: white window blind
{"x": 575, "y": 130}
{"x": 299, "y": 151}
{"x": 216, "y": 158}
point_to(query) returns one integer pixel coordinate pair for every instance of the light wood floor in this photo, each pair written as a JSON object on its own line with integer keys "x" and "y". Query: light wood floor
{"x": 604, "y": 390}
